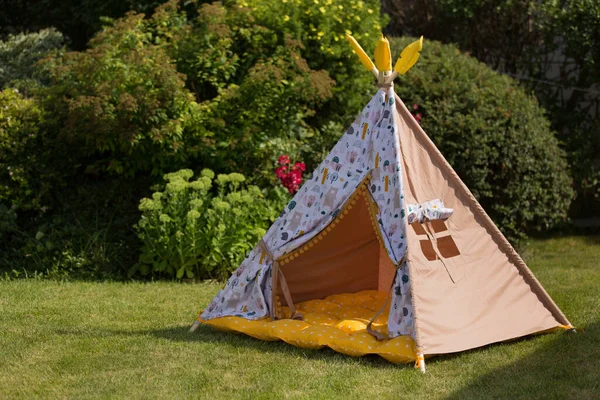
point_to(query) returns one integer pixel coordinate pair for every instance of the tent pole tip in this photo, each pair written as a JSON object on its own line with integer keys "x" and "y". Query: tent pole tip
{"x": 194, "y": 327}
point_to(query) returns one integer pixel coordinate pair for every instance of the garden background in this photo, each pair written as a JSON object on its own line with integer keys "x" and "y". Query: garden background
{"x": 144, "y": 143}
{"x": 131, "y": 132}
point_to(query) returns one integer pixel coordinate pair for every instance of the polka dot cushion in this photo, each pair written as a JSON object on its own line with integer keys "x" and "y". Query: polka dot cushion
{"x": 339, "y": 322}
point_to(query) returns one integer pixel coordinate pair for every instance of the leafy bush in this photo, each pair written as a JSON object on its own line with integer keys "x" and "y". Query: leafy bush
{"x": 573, "y": 27}
{"x": 255, "y": 91}
{"x": 187, "y": 230}
{"x": 264, "y": 73}
{"x": 123, "y": 111}
{"x": 321, "y": 27}
{"x": 87, "y": 234}
{"x": 493, "y": 133}
{"x": 553, "y": 46}
{"x": 78, "y": 20}
{"x": 30, "y": 162}
{"x": 8, "y": 218}
{"x": 256, "y": 94}
{"x": 122, "y": 102}
{"x": 19, "y": 54}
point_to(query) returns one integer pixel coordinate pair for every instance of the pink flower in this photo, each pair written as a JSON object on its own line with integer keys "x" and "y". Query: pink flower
{"x": 290, "y": 176}
{"x": 415, "y": 106}
{"x": 284, "y": 159}
{"x": 280, "y": 172}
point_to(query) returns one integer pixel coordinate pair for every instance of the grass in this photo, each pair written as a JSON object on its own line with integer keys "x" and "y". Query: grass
{"x": 130, "y": 340}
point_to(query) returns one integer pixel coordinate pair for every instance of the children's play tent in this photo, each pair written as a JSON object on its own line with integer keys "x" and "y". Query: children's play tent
{"x": 384, "y": 250}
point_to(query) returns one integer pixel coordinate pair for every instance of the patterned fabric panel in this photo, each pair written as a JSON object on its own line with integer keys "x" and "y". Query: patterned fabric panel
{"x": 386, "y": 176}
{"x": 401, "y": 319}
{"x": 370, "y": 145}
{"x": 430, "y": 210}
{"x": 247, "y": 293}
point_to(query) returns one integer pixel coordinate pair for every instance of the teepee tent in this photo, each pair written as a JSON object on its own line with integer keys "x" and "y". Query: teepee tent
{"x": 384, "y": 251}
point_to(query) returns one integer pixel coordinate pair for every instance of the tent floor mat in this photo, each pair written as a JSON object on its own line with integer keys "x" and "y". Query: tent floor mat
{"x": 338, "y": 322}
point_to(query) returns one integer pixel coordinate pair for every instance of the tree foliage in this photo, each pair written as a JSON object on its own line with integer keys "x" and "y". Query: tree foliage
{"x": 552, "y": 46}
{"x": 494, "y": 134}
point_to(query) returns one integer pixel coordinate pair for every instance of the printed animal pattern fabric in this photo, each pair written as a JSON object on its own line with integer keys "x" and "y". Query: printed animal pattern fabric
{"x": 370, "y": 145}
{"x": 401, "y": 320}
{"x": 430, "y": 210}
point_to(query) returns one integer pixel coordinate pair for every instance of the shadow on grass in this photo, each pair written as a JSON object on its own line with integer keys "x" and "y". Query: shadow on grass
{"x": 228, "y": 340}
{"x": 568, "y": 366}
{"x": 208, "y": 334}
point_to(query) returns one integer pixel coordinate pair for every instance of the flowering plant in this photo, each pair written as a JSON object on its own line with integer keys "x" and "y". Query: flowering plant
{"x": 191, "y": 230}
{"x": 289, "y": 175}
{"x": 415, "y": 112}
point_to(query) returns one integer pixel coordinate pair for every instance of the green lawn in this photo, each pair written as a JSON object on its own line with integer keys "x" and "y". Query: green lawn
{"x": 130, "y": 340}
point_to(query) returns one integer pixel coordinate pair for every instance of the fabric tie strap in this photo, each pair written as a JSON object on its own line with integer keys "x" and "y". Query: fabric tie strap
{"x": 370, "y": 330}
{"x": 279, "y": 278}
{"x": 434, "y": 244}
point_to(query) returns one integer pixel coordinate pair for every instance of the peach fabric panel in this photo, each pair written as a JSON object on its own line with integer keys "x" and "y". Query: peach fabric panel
{"x": 494, "y": 297}
{"x": 344, "y": 261}
{"x": 387, "y": 270}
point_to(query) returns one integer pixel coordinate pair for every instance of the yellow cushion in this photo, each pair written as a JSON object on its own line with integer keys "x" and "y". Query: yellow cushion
{"x": 354, "y": 312}
{"x": 319, "y": 306}
{"x": 357, "y": 344}
{"x": 319, "y": 319}
{"x": 257, "y": 329}
{"x": 287, "y": 329}
{"x": 352, "y": 325}
{"x": 401, "y": 349}
{"x": 344, "y": 299}
{"x": 377, "y": 304}
{"x": 320, "y": 335}
{"x": 339, "y": 321}
{"x": 224, "y": 324}
{"x": 284, "y": 312}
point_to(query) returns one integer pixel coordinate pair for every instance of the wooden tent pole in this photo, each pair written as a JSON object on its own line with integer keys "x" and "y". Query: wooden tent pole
{"x": 194, "y": 327}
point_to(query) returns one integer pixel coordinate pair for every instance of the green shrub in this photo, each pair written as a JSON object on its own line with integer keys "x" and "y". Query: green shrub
{"x": 321, "y": 26}
{"x": 121, "y": 102}
{"x": 78, "y": 20}
{"x": 268, "y": 76}
{"x": 553, "y": 46}
{"x": 186, "y": 230}
{"x": 32, "y": 164}
{"x": 255, "y": 91}
{"x": 19, "y": 54}
{"x": 8, "y": 218}
{"x": 493, "y": 133}
{"x": 87, "y": 234}
{"x": 60, "y": 251}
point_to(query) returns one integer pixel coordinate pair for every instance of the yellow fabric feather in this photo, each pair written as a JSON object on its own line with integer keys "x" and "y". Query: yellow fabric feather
{"x": 364, "y": 58}
{"x": 409, "y": 56}
{"x": 383, "y": 55}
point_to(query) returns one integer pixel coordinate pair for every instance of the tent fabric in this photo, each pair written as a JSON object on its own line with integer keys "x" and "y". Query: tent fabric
{"x": 456, "y": 283}
{"x": 345, "y": 258}
{"x": 368, "y": 153}
{"x": 430, "y": 210}
{"x": 480, "y": 291}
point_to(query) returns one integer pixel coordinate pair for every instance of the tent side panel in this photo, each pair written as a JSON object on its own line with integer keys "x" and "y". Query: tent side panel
{"x": 480, "y": 291}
